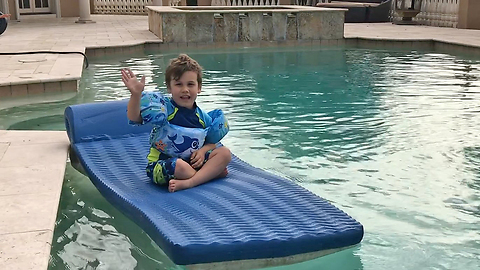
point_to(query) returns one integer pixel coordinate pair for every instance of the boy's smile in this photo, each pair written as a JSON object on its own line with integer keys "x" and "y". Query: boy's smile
{"x": 185, "y": 90}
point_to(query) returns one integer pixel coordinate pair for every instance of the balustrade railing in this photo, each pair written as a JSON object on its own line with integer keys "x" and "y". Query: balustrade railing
{"x": 432, "y": 12}
{"x": 245, "y": 2}
{"x": 121, "y": 6}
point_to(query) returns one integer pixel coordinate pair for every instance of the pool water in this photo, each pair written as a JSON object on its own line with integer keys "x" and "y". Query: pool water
{"x": 390, "y": 137}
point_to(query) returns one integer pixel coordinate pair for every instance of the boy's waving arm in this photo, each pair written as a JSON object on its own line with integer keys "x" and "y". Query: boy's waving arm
{"x": 136, "y": 88}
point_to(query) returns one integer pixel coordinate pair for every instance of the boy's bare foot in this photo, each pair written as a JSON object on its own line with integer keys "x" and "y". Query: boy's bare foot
{"x": 176, "y": 185}
{"x": 180, "y": 184}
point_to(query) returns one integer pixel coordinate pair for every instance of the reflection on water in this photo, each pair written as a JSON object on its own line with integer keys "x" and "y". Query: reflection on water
{"x": 389, "y": 137}
{"x": 91, "y": 234}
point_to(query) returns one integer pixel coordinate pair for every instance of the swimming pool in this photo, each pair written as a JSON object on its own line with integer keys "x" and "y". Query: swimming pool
{"x": 390, "y": 137}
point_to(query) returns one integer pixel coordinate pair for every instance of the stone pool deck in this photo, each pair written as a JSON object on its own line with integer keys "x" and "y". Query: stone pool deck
{"x": 32, "y": 163}
{"x": 32, "y": 167}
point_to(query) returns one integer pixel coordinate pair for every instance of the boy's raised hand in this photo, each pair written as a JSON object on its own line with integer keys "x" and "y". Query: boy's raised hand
{"x": 130, "y": 80}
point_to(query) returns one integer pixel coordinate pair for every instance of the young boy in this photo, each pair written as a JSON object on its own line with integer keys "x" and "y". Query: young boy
{"x": 178, "y": 163}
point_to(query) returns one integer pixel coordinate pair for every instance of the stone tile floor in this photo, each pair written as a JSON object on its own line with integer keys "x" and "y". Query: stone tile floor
{"x": 32, "y": 163}
{"x": 47, "y": 33}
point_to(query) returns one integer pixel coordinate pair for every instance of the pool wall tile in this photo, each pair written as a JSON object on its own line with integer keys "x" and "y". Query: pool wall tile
{"x": 35, "y": 88}
{"x": 317, "y": 42}
{"x": 98, "y": 52}
{"x": 151, "y": 46}
{"x": 223, "y": 45}
{"x": 69, "y": 86}
{"x": 291, "y": 43}
{"x": 5, "y": 91}
{"x": 126, "y": 50}
{"x": 53, "y": 87}
{"x": 118, "y": 50}
{"x": 182, "y": 45}
{"x": 19, "y": 90}
{"x": 205, "y": 45}
{"x": 267, "y": 44}
{"x": 173, "y": 45}
{"x": 110, "y": 51}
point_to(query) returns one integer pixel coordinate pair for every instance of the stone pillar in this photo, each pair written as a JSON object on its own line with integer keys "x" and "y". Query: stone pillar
{"x": 468, "y": 11}
{"x": 84, "y": 10}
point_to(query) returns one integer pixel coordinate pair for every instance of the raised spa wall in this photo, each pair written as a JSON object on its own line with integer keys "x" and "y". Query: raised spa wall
{"x": 239, "y": 23}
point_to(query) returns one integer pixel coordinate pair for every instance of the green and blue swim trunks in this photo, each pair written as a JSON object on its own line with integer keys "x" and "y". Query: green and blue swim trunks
{"x": 161, "y": 167}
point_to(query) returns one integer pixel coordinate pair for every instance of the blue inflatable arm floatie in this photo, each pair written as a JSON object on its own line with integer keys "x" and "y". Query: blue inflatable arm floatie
{"x": 153, "y": 108}
{"x": 219, "y": 127}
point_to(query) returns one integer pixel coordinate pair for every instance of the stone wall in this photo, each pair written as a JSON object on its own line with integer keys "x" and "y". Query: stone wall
{"x": 239, "y": 24}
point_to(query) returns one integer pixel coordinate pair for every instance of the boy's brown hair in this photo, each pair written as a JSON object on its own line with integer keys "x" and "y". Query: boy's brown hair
{"x": 180, "y": 65}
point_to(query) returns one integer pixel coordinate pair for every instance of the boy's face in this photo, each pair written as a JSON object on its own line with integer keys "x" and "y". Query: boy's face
{"x": 185, "y": 90}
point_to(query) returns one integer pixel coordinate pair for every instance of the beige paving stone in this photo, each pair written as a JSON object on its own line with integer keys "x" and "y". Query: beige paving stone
{"x": 21, "y": 71}
{"x": 68, "y": 65}
{"x": 3, "y": 148}
{"x": 5, "y": 74}
{"x": 32, "y": 180}
{"x": 34, "y": 154}
{"x": 28, "y": 137}
{"x": 18, "y": 212}
{"x": 64, "y": 35}
{"x": 26, "y": 251}
{"x": 45, "y": 69}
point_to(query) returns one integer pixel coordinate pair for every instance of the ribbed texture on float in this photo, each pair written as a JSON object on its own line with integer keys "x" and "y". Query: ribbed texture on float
{"x": 251, "y": 214}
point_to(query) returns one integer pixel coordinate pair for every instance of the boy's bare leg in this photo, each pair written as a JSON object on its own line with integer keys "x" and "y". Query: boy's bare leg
{"x": 213, "y": 168}
{"x": 183, "y": 170}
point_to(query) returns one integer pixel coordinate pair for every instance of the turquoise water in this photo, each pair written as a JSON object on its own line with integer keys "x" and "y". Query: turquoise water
{"x": 390, "y": 137}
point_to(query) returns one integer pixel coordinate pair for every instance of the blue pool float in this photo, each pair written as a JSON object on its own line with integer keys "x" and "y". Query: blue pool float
{"x": 249, "y": 219}
{"x": 3, "y": 24}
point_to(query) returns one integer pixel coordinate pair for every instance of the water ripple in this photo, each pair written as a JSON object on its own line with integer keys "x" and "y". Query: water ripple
{"x": 392, "y": 136}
